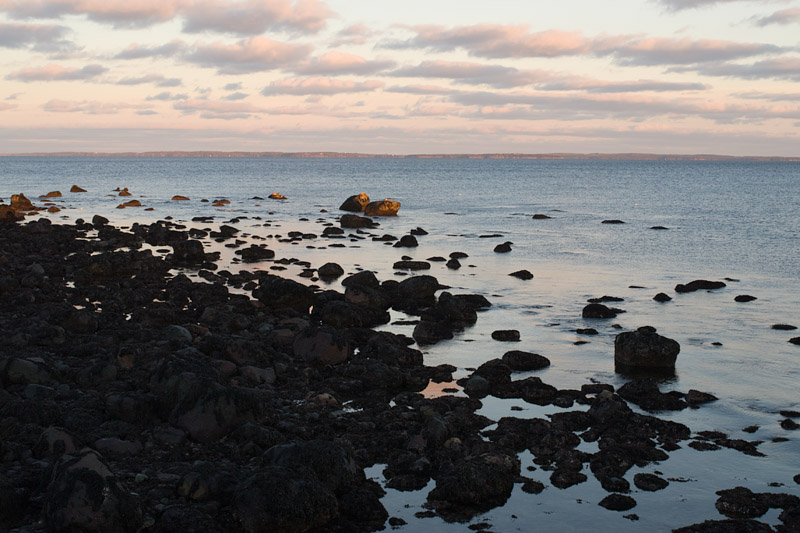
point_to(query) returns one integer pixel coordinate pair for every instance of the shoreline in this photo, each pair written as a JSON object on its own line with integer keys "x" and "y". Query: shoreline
{"x": 177, "y": 371}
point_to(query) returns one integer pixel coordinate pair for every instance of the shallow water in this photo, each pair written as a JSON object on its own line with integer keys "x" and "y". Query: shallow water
{"x": 737, "y": 220}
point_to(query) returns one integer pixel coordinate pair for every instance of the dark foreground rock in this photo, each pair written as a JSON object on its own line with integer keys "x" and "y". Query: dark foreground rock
{"x": 644, "y": 348}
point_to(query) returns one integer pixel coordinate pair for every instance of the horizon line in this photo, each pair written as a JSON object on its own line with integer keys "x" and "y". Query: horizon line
{"x": 627, "y": 156}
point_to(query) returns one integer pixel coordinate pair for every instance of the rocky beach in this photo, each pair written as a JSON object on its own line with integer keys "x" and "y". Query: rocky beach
{"x": 195, "y": 375}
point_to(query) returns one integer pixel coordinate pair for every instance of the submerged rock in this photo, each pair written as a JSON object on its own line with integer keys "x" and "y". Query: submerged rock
{"x": 699, "y": 285}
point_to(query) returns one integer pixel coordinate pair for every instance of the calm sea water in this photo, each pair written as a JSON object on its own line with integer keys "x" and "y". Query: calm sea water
{"x": 725, "y": 219}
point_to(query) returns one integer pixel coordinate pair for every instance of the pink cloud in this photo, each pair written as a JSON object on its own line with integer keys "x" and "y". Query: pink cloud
{"x": 419, "y": 89}
{"x": 474, "y": 73}
{"x": 217, "y": 109}
{"x": 39, "y": 37}
{"x": 155, "y": 79}
{"x": 57, "y": 73}
{"x": 324, "y": 86}
{"x": 249, "y": 55}
{"x": 253, "y": 17}
{"x": 6, "y": 107}
{"x": 782, "y": 68}
{"x": 121, "y": 13}
{"x": 335, "y": 62}
{"x": 358, "y": 33}
{"x": 136, "y": 51}
{"x": 784, "y": 16}
{"x": 87, "y": 107}
{"x": 661, "y": 51}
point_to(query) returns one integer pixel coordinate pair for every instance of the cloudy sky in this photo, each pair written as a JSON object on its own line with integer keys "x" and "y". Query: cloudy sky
{"x": 411, "y": 76}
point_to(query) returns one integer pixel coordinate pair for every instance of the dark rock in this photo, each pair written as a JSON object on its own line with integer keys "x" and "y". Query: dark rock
{"x": 411, "y": 265}
{"x": 539, "y": 216}
{"x": 597, "y": 310}
{"x": 644, "y": 348}
{"x": 330, "y": 271}
{"x": 355, "y": 203}
{"x": 743, "y": 298}
{"x": 695, "y": 397}
{"x": 522, "y": 274}
{"x": 453, "y": 264}
{"x": 645, "y": 394}
{"x": 506, "y": 335}
{"x": 189, "y": 251}
{"x": 586, "y": 331}
{"x": 784, "y": 327}
{"x": 795, "y": 340}
{"x": 503, "y": 248}
{"x": 365, "y": 278}
{"x": 382, "y": 208}
{"x": 477, "y": 386}
{"x": 276, "y": 292}
{"x": 355, "y": 221}
{"x": 699, "y": 285}
{"x": 429, "y": 332}
{"x": 84, "y": 495}
{"x": 331, "y": 464}
{"x": 789, "y": 424}
{"x": 741, "y": 502}
{"x": 661, "y": 297}
{"x": 479, "y": 482}
{"x": 20, "y": 203}
{"x": 276, "y": 196}
{"x": 649, "y": 482}
{"x": 283, "y": 500}
{"x": 321, "y": 346}
{"x": 658, "y": 227}
{"x": 406, "y": 241}
{"x": 520, "y": 361}
{"x": 612, "y": 221}
{"x": 75, "y": 188}
{"x": 254, "y": 253}
{"x": 617, "y": 502}
{"x": 418, "y": 232}
{"x": 563, "y": 479}
{"x": 726, "y": 526}
{"x": 418, "y": 288}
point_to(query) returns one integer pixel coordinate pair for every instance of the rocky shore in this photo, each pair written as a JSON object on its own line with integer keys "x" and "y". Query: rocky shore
{"x": 134, "y": 397}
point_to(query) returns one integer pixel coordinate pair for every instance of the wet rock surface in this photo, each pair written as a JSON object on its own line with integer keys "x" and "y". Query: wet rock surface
{"x": 136, "y": 398}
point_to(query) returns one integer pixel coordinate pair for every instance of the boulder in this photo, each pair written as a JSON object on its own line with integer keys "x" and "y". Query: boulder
{"x": 382, "y": 208}
{"x": 506, "y": 335}
{"x": 406, "y": 241}
{"x": 662, "y": 297}
{"x": 76, "y": 188}
{"x": 355, "y": 203}
{"x": 20, "y": 203}
{"x": 644, "y": 348}
{"x": 617, "y": 502}
{"x": 355, "y": 221}
{"x": 744, "y": 298}
{"x": 411, "y": 265}
{"x": 85, "y": 495}
{"x": 254, "y": 253}
{"x": 540, "y": 216}
{"x": 330, "y": 271}
{"x": 520, "y": 361}
{"x": 479, "y": 482}
{"x": 276, "y": 292}
{"x": 321, "y": 346}
{"x": 503, "y": 248}
{"x": 52, "y": 194}
{"x": 330, "y": 463}
{"x": 522, "y": 274}
{"x": 276, "y": 196}
{"x": 365, "y": 278}
{"x": 599, "y": 311}
{"x": 179, "y": 198}
{"x": 189, "y": 251}
{"x": 699, "y": 285}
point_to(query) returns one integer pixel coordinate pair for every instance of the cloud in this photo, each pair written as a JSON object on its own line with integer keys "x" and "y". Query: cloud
{"x": 235, "y": 96}
{"x": 772, "y": 97}
{"x": 156, "y": 79}
{"x": 419, "y": 89}
{"x": 784, "y": 16}
{"x": 336, "y": 63}
{"x": 57, "y": 73}
{"x": 782, "y": 68}
{"x": 257, "y": 54}
{"x": 678, "y": 5}
{"x": 137, "y": 51}
{"x": 254, "y": 17}
{"x": 599, "y": 86}
{"x": 474, "y": 73}
{"x": 38, "y": 37}
{"x": 322, "y": 86}
{"x": 233, "y": 86}
{"x": 119, "y": 13}
{"x": 494, "y": 41}
{"x": 6, "y": 107}
{"x": 217, "y": 109}
{"x": 147, "y": 112}
{"x": 354, "y": 34}
{"x": 167, "y": 96}
{"x": 87, "y": 107}
{"x": 671, "y": 51}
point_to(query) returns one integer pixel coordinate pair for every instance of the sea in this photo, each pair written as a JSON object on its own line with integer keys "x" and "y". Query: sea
{"x": 735, "y": 221}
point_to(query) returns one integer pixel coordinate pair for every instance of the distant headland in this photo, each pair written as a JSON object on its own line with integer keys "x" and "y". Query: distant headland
{"x": 343, "y": 155}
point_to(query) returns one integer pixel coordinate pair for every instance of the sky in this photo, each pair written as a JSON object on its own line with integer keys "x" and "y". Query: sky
{"x": 401, "y": 77}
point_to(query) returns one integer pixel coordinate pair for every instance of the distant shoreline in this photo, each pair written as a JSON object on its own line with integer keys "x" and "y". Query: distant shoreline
{"x": 346, "y": 155}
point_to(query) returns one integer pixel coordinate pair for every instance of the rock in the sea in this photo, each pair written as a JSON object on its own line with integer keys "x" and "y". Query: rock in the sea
{"x": 649, "y": 482}
{"x": 365, "y": 278}
{"x": 522, "y": 274}
{"x": 699, "y": 285}
{"x": 130, "y": 203}
{"x": 189, "y": 251}
{"x": 276, "y": 292}
{"x": 662, "y": 297}
{"x": 539, "y": 216}
{"x": 744, "y": 298}
{"x": 179, "y": 198}
{"x": 784, "y": 327}
{"x": 382, "y": 208}
{"x": 480, "y": 482}
{"x": 726, "y": 526}
{"x": 617, "y": 502}
{"x": 52, "y": 194}
{"x": 599, "y": 311}
{"x": 411, "y": 265}
{"x": 613, "y": 221}
{"x": 355, "y": 203}
{"x": 20, "y": 203}
{"x": 355, "y": 221}
{"x": 506, "y": 335}
{"x": 644, "y": 348}
{"x": 503, "y": 248}
{"x": 406, "y": 241}
{"x": 254, "y": 253}
{"x": 276, "y": 196}
{"x": 330, "y": 271}
{"x": 795, "y": 340}
{"x": 520, "y": 361}
{"x": 76, "y": 188}
{"x": 85, "y": 495}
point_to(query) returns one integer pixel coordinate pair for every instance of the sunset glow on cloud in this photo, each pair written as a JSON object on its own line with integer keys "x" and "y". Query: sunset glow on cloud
{"x": 663, "y": 76}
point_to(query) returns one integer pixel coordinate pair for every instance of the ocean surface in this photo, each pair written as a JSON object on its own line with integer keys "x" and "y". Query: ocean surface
{"x": 736, "y": 220}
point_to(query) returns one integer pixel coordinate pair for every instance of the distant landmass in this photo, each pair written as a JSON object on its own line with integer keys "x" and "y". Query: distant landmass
{"x": 341, "y": 155}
